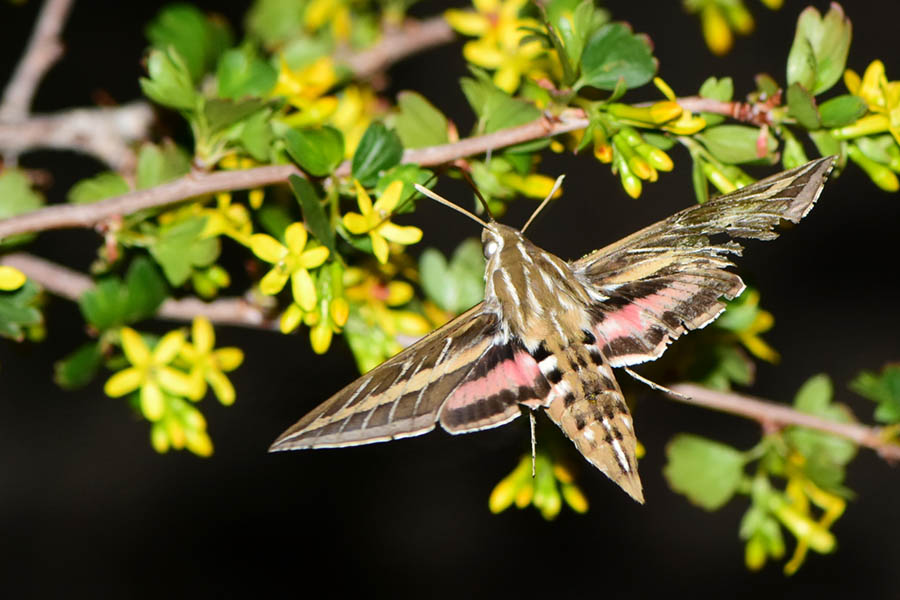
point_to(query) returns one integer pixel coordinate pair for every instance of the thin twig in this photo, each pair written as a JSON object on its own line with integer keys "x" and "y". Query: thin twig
{"x": 197, "y": 184}
{"x": 770, "y": 412}
{"x": 67, "y": 283}
{"x": 396, "y": 44}
{"x": 44, "y": 48}
{"x": 757, "y": 113}
{"x": 106, "y": 133}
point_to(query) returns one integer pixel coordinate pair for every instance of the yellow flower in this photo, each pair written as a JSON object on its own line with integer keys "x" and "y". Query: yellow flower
{"x": 150, "y": 371}
{"x": 882, "y": 96}
{"x": 289, "y": 262}
{"x": 334, "y": 13}
{"x": 305, "y": 89}
{"x": 534, "y": 185}
{"x": 497, "y": 25}
{"x": 11, "y": 278}
{"x": 375, "y": 220}
{"x": 232, "y": 220}
{"x": 208, "y": 365}
{"x": 181, "y": 426}
{"x": 353, "y": 115}
{"x": 552, "y": 483}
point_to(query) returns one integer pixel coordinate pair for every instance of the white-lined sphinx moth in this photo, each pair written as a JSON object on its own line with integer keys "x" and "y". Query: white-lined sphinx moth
{"x": 549, "y": 332}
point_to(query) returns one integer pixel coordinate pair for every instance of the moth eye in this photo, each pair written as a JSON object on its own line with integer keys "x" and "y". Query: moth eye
{"x": 490, "y": 248}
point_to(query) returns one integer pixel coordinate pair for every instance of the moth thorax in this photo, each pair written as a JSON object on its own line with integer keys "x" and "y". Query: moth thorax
{"x": 534, "y": 291}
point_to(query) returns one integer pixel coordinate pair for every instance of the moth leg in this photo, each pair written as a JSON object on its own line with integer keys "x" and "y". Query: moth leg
{"x": 655, "y": 386}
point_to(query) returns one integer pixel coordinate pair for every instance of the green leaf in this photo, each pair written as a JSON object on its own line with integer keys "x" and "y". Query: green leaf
{"x": 802, "y": 106}
{"x": 739, "y": 313}
{"x": 734, "y": 144}
{"x": 99, "y": 187}
{"x": 17, "y": 311}
{"x": 826, "y": 144}
{"x": 698, "y": 178}
{"x": 274, "y": 219}
{"x": 410, "y": 175}
{"x": 766, "y": 86}
{"x": 378, "y": 150}
{"x": 614, "y": 52}
{"x": 707, "y": 472}
{"x": 842, "y": 110}
{"x": 146, "y": 290}
{"x": 256, "y": 135}
{"x": 313, "y": 213}
{"x": 877, "y": 148}
{"x": 222, "y": 113}
{"x": 793, "y": 155}
{"x": 825, "y": 454}
{"x": 241, "y": 72}
{"x": 274, "y": 22}
{"x": 16, "y": 198}
{"x": 719, "y": 365}
{"x": 179, "y": 248}
{"x": 197, "y": 39}
{"x": 419, "y": 123}
{"x": 170, "y": 81}
{"x": 883, "y": 389}
{"x": 574, "y": 21}
{"x": 495, "y": 108}
{"x": 718, "y": 89}
{"x": 161, "y": 163}
{"x": 113, "y": 303}
{"x": 318, "y": 151}
{"x": 819, "y": 52}
{"x": 458, "y": 285}
{"x": 78, "y": 368}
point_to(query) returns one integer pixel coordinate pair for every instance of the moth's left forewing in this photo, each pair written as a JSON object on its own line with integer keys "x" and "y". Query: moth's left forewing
{"x": 466, "y": 375}
{"x": 668, "y": 278}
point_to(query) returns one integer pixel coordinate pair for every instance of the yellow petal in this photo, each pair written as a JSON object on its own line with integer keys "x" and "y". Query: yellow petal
{"x": 340, "y": 311}
{"x": 320, "y": 338}
{"x": 221, "y": 386}
{"x": 313, "y": 257}
{"x": 256, "y": 197}
{"x": 870, "y": 88}
{"x": 202, "y": 335}
{"x": 228, "y": 359}
{"x": 304, "y": 289}
{"x": 356, "y": 223}
{"x": 159, "y": 438}
{"x": 133, "y": 345}
{"x": 467, "y": 22}
{"x": 123, "y": 382}
{"x": 11, "y": 278}
{"x": 199, "y": 443}
{"x": 362, "y": 198}
{"x": 168, "y": 347}
{"x": 484, "y": 53}
{"x": 267, "y": 248}
{"x": 174, "y": 432}
{"x": 399, "y": 292}
{"x": 290, "y": 319}
{"x": 379, "y": 247}
{"x": 401, "y": 235}
{"x": 273, "y": 282}
{"x": 388, "y": 200}
{"x": 177, "y": 382}
{"x": 152, "y": 401}
{"x": 852, "y": 81}
{"x": 507, "y": 78}
{"x": 295, "y": 236}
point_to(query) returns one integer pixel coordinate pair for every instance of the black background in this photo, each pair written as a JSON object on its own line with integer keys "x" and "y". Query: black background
{"x": 87, "y": 507}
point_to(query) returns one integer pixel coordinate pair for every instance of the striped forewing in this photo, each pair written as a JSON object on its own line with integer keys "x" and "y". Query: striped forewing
{"x": 465, "y": 374}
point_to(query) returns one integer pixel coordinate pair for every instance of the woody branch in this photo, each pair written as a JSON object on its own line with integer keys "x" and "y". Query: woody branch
{"x": 769, "y": 413}
{"x": 197, "y": 184}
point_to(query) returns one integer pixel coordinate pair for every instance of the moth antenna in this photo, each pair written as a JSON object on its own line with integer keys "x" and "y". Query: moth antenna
{"x": 655, "y": 386}
{"x": 441, "y": 200}
{"x": 544, "y": 203}
{"x": 478, "y": 194}
{"x": 533, "y": 444}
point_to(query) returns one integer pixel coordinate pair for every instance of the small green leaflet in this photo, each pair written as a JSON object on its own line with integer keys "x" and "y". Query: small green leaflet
{"x": 378, "y": 150}
{"x": 707, "y": 472}
{"x": 113, "y": 302}
{"x": 179, "y": 248}
{"x": 17, "y": 311}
